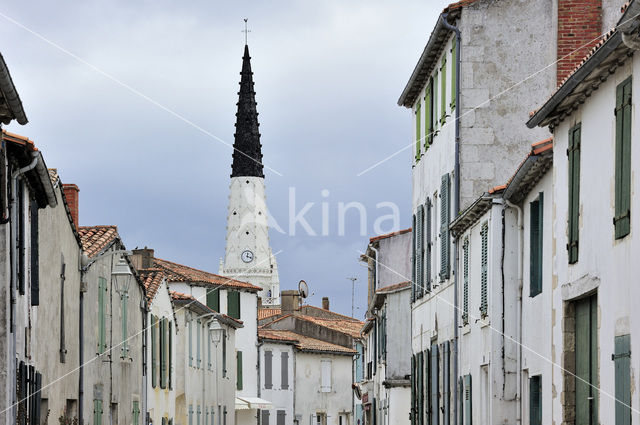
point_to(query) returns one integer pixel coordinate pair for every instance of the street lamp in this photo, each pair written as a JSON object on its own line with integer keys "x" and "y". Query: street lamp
{"x": 122, "y": 276}
{"x": 216, "y": 334}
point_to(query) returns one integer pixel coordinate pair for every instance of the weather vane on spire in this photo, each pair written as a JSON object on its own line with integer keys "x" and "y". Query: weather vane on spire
{"x": 246, "y": 31}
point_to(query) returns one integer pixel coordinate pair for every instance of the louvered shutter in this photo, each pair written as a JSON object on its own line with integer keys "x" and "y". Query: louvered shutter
{"x": 622, "y": 362}
{"x": 622, "y": 219}
{"x": 170, "y": 353}
{"x": 284, "y": 370}
{"x": 163, "y": 354}
{"x": 35, "y": 255}
{"x": 420, "y": 383}
{"x": 461, "y": 415}
{"x": 454, "y": 71}
{"x": 427, "y": 385}
{"x": 280, "y": 417}
{"x": 420, "y": 252}
{"x": 190, "y": 332}
{"x": 213, "y": 299}
{"x": 484, "y": 270}
{"x": 154, "y": 352}
{"x": 446, "y": 376}
{"x": 444, "y": 227}
{"x": 427, "y": 225}
{"x": 465, "y": 286}
{"x": 574, "y": 192}
{"x": 413, "y": 260}
{"x": 435, "y": 385}
{"x": 125, "y": 343}
{"x": 428, "y": 116}
{"x": 233, "y": 304}
{"x": 102, "y": 326}
{"x": 468, "y": 398}
{"x": 535, "y": 401}
{"x": 190, "y": 415}
{"x": 264, "y": 417}
{"x": 198, "y": 345}
{"x": 535, "y": 245}
{"x": 239, "y": 371}
{"x": 414, "y": 392}
{"x": 443, "y": 90}
{"x": 418, "y": 130}
{"x": 268, "y": 369}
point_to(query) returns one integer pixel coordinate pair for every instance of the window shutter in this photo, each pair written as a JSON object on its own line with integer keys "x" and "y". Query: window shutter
{"x": 454, "y": 71}
{"x": 268, "y": 369}
{"x": 35, "y": 255}
{"x": 136, "y": 413}
{"x": 170, "y": 354}
{"x": 461, "y": 415}
{"x": 414, "y": 393}
{"x": 535, "y": 401}
{"x": 427, "y": 386}
{"x": 163, "y": 354}
{"x": 190, "y": 415}
{"x": 574, "y": 192}
{"x": 420, "y": 386}
{"x": 427, "y": 225}
{"x": 198, "y": 345}
{"x": 420, "y": 252}
{"x": 536, "y": 209}
{"x": 125, "y": 343}
{"x": 281, "y": 414}
{"x": 102, "y": 329}
{"x": 428, "y": 116}
{"x": 224, "y": 354}
{"x": 622, "y": 219}
{"x": 264, "y": 417}
{"x": 418, "y": 130}
{"x": 483, "y": 270}
{"x": 414, "y": 263}
{"x": 443, "y": 90}
{"x": 239, "y": 370}
{"x": 468, "y": 400}
{"x": 154, "y": 352}
{"x": 326, "y": 376}
{"x": 446, "y": 376}
{"x": 233, "y": 304}
{"x": 465, "y": 287}
{"x": 622, "y": 361}
{"x": 97, "y": 412}
{"x": 284, "y": 370}
{"x": 213, "y": 299}
{"x": 435, "y": 385}
{"x": 435, "y": 99}
{"x": 444, "y": 227}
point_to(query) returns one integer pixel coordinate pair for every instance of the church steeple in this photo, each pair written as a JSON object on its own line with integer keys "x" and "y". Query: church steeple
{"x": 247, "y": 153}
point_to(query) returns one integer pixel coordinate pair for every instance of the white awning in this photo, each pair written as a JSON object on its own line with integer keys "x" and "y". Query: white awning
{"x": 252, "y": 403}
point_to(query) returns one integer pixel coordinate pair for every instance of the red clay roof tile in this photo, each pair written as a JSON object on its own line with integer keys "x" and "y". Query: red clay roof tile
{"x": 180, "y": 273}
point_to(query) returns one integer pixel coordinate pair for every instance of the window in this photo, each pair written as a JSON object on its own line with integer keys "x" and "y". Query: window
{"x": 239, "y": 370}
{"x": 97, "y": 412}
{"x": 326, "y": 376}
{"x": 213, "y": 299}
{"x": 445, "y": 201}
{"x": 622, "y": 218}
{"x": 102, "y": 311}
{"x": 465, "y": 287}
{"x": 574, "y": 192}
{"x": 454, "y": 76}
{"x": 535, "y": 400}
{"x": 284, "y": 370}
{"x": 233, "y": 304}
{"x": 622, "y": 362}
{"x": 535, "y": 245}
{"x": 484, "y": 234}
{"x": 135, "y": 412}
{"x": 268, "y": 380}
{"x": 124, "y": 349}
{"x": 418, "y": 130}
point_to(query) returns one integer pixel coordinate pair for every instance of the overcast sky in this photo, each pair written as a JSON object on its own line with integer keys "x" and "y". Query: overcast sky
{"x": 328, "y": 75}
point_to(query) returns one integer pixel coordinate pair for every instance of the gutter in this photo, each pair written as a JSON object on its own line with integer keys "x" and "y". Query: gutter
{"x": 10, "y": 94}
{"x": 456, "y": 210}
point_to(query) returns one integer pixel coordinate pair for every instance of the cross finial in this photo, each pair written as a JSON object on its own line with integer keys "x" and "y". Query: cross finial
{"x": 246, "y": 31}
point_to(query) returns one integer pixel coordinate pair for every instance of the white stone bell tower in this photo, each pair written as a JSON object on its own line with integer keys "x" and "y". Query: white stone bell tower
{"x": 248, "y": 256}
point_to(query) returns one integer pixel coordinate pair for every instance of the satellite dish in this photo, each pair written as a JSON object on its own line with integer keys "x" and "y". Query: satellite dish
{"x": 303, "y": 289}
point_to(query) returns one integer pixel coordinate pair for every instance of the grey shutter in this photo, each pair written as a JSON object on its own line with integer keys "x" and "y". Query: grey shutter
{"x": 420, "y": 383}
{"x": 468, "y": 397}
{"x": 574, "y": 192}
{"x": 284, "y": 370}
{"x": 622, "y": 361}
{"x": 461, "y": 401}
{"x": 281, "y": 414}
{"x": 413, "y": 413}
{"x": 413, "y": 260}
{"x": 465, "y": 287}
{"x": 427, "y": 285}
{"x": 445, "y": 383}
{"x": 268, "y": 379}
{"x": 623, "y": 112}
{"x": 420, "y": 252}
{"x": 426, "y": 398}
{"x": 35, "y": 255}
{"x": 435, "y": 385}
{"x": 444, "y": 227}
{"x": 484, "y": 261}
{"x": 535, "y": 400}
{"x": 535, "y": 245}
{"x": 264, "y": 417}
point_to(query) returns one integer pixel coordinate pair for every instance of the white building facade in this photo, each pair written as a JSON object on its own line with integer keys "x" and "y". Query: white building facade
{"x": 277, "y": 383}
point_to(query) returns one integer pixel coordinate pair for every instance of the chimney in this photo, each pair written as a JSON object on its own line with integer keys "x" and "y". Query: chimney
{"x": 259, "y": 302}
{"x": 290, "y": 301}
{"x": 142, "y": 258}
{"x": 71, "y": 195}
{"x": 325, "y": 303}
{"x": 579, "y": 27}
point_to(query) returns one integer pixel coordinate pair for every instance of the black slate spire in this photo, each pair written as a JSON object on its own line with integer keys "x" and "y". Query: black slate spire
{"x": 247, "y": 152}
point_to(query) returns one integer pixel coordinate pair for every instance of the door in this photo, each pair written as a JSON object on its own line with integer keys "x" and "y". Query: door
{"x": 587, "y": 361}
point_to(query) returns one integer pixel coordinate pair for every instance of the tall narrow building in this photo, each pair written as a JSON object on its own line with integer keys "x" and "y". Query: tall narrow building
{"x": 248, "y": 255}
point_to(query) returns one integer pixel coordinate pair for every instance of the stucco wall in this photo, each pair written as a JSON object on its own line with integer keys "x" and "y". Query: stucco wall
{"x": 394, "y": 259}
{"x": 398, "y": 316}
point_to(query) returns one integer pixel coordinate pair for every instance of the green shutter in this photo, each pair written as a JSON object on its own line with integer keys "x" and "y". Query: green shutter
{"x": 135, "y": 413}
{"x": 435, "y": 101}
{"x": 239, "y": 370}
{"x": 190, "y": 414}
{"x": 622, "y": 218}
{"x": 420, "y": 252}
{"x": 454, "y": 71}
{"x": 427, "y": 225}
{"x": 414, "y": 262}
{"x": 622, "y": 361}
{"x": 535, "y": 400}
{"x": 468, "y": 398}
{"x": 233, "y": 304}
{"x": 428, "y": 115}
{"x": 97, "y": 412}
{"x": 536, "y": 216}
{"x": 170, "y": 354}
{"x": 443, "y": 90}
{"x": 124, "y": 349}
{"x": 574, "y": 192}
{"x": 418, "y": 130}
{"x": 102, "y": 309}
{"x": 465, "y": 288}
{"x": 445, "y": 190}
{"x": 154, "y": 351}
{"x": 163, "y": 353}
{"x": 483, "y": 270}
{"x": 213, "y": 299}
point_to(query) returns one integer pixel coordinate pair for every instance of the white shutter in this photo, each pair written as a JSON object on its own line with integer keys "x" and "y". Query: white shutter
{"x": 326, "y": 376}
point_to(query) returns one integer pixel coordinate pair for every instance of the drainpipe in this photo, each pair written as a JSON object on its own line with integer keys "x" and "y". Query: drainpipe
{"x": 456, "y": 210}
{"x": 14, "y": 270}
{"x": 519, "y": 310}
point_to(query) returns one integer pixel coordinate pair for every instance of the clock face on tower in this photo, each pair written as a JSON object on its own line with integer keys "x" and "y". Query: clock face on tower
{"x": 247, "y": 256}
